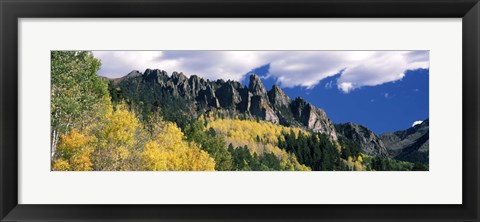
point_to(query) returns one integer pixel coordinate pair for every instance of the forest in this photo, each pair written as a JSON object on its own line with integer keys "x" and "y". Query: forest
{"x": 96, "y": 128}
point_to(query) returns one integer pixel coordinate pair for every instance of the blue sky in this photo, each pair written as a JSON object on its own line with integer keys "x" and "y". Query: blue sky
{"x": 383, "y": 90}
{"x": 382, "y": 108}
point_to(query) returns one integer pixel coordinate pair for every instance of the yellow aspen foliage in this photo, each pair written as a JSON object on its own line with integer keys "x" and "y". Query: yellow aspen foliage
{"x": 251, "y": 133}
{"x": 260, "y": 137}
{"x": 201, "y": 118}
{"x": 350, "y": 163}
{"x": 121, "y": 126}
{"x": 169, "y": 151}
{"x": 73, "y": 152}
{"x": 360, "y": 158}
{"x": 350, "y": 159}
{"x": 117, "y": 140}
{"x": 123, "y": 153}
{"x": 337, "y": 145}
{"x": 60, "y": 165}
{"x": 198, "y": 160}
{"x": 153, "y": 157}
{"x": 358, "y": 166}
{"x": 289, "y": 162}
{"x": 82, "y": 161}
{"x": 170, "y": 136}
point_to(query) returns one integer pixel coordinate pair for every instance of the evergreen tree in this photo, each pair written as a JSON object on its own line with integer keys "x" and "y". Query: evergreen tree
{"x": 214, "y": 145}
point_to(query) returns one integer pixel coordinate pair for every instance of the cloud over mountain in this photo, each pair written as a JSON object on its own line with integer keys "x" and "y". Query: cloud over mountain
{"x": 417, "y": 123}
{"x": 289, "y": 68}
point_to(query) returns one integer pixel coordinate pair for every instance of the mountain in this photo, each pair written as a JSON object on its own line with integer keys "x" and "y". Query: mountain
{"x": 361, "y": 136}
{"x": 183, "y": 96}
{"x": 410, "y": 144}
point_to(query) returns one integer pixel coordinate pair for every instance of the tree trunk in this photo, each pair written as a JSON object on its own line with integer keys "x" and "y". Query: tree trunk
{"x": 53, "y": 144}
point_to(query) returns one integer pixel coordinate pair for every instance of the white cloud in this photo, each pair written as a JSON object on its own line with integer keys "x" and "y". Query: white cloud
{"x": 345, "y": 86}
{"x": 375, "y": 68}
{"x": 290, "y": 68}
{"x": 119, "y": 63}
{"x": 207, "y": 64}
{"x": 417, "y": 123}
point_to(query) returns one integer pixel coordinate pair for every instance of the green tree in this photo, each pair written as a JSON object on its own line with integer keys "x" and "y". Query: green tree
{"x": 314, "y": 150}
{"x": 79, "y": 97}
{"x": 213, "y": 144}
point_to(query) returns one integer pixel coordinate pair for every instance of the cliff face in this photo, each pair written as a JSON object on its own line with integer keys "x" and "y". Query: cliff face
{"x": 312, "y": 117}
{"x": 410, "y": 144}
{"x": 260, "y": 105}
{"x": 370, "y": 143}
{"x": 231, "y": 97}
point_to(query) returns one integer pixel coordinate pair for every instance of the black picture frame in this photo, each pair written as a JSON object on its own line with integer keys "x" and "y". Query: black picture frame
{"x": 12, "y": 10}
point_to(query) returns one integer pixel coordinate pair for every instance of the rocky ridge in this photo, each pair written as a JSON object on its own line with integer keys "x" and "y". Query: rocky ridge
{"x": 229, "y": 97}
{"x": 411, "y": 144}
{"x": 360, "y": 135}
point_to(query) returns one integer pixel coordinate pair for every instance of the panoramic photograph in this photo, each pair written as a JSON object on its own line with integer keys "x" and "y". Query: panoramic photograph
{"x": 207, "y": 110}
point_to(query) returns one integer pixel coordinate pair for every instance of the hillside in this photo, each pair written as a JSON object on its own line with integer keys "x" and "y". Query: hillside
{"x": 410, "y": 144}
{"x": 361, "y": 136}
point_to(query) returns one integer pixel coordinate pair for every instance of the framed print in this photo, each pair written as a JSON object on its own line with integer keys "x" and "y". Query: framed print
{"x": 226, "y": 110}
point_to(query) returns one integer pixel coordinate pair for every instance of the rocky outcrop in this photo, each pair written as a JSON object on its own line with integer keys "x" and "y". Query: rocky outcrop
{"x": 207, "y": 97}
{"x": 259, "y": 102}
{"x": 278, "y": 98}
{"x": 312, "y": 117}
{"x": 133, "y": 74}
{"x": 256, "y": 87}
{"x": 155, "y": 76}
{"x": 230, "y": 97}
{"x": 411, "y": 144}
{"x": 196, "y": 84}
{"x": 370, "y": 143}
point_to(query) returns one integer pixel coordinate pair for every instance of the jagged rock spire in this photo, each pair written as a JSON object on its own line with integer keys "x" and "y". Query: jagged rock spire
{"x": 256, "y": 86}
{"x": 277, "y": 97}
